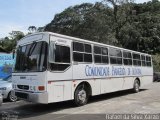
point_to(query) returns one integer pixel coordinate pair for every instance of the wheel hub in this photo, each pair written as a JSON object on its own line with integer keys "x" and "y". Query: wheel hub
{"x": 12, "y": 97}
{"x": 82, "y": 95}
{"x": 137, "y": 86}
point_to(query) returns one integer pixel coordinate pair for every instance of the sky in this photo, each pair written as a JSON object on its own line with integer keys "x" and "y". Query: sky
{"x": 20, "y": 14}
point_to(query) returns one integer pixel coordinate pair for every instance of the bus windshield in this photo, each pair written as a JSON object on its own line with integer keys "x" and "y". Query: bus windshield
{"x": 32, "y": 57}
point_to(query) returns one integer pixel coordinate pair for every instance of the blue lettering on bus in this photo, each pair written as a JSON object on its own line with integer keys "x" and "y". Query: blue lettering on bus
{"x": 118, "y": 71}
{"x": 115, "y": 71}
{"x": 96, "y": 71}
{"x": 136, "y": 71}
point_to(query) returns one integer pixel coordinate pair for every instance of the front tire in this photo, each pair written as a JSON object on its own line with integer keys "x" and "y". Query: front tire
{"x": 136, "y": 86}
{"x": 81, "y": 95}
{"x": 12, "y": 97}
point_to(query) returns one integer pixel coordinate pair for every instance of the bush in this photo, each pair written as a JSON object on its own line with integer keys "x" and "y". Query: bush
{"x": 156, "y": 62}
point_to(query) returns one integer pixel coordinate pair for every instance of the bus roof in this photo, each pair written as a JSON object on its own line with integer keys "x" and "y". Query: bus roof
{"x": 80, "y": 40}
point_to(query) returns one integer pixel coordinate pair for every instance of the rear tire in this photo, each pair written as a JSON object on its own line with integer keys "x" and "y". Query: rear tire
{"x": 12, "y": 97}
{"x": 136, "y": 86}
{"x": 81, "y": 95}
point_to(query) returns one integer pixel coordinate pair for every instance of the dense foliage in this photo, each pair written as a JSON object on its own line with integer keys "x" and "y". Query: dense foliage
{"x": 86, "y": 21}
{"x": 126, "y": 24}
{"x": 123, "y": 23}
{"x": 9, "y": 43}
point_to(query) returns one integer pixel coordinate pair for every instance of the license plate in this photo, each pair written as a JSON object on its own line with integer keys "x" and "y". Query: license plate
{"x": 21, "y": 95}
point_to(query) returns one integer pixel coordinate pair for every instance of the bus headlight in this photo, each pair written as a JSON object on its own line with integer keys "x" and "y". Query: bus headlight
{"x": 33, "y": 88}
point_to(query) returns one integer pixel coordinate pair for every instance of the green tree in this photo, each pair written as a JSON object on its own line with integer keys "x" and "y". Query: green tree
{"x": 121, "y": 12}
{"x": 9, "y": 43}
{"x": 32, "y": 29}
{"x": 123, "y": 23}
{"x": 86, "y": 21}
{"x": 142, "y": 32}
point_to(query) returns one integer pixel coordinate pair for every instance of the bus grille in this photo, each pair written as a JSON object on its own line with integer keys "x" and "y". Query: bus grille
{"x": 23, "y": 87}
{"x": 21, "y": 95}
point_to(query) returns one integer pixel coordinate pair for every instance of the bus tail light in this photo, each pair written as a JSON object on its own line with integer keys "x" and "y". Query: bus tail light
{"x": 41, "y": 88}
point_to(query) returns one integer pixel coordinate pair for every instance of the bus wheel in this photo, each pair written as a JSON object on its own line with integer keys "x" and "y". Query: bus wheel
{"x": 11, "y": 97}
{"x": 81, "y": 95}
{"x": 136, "y": 86}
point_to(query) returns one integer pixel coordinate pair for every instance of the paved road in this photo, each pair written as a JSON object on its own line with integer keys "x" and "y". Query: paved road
{"x": 146, "y": 101}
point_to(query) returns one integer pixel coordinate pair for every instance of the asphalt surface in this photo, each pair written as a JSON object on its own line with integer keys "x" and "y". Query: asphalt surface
{"x": 147, "y": 101}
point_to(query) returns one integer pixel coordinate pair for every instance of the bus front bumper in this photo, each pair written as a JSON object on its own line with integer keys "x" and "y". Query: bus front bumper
{"x": 32, "y": 96}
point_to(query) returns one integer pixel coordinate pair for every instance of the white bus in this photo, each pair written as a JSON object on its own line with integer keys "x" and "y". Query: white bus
{"x": 51, "y": 68}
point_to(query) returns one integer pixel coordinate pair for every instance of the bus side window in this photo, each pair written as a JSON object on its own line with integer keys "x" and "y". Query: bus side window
{"x": 62, "y": 58}
{"x": 115, "y": 56}
{"x": 143, "y": 59}
{"x": 100, "y": 55}
{"x": 148, "y": 61}
{"x": 127, "y": 58}
{"x": 136, "y": 59}
{"x": 82, "y": 52}
{"x": 97, "y": 54}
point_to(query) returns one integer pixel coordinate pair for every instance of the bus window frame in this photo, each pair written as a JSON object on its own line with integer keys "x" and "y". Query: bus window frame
{"x": 49, "y": 67}
{"x": 127, "y": 58}
{"x": 136, "y": 59}
{"x": 100, "y": 46}
{"x": 78, "y": 62}
{"x": 115, "y": 56}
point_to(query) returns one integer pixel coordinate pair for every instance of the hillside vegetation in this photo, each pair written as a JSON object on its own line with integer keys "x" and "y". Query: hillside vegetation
{"x": 125, "y": 24}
